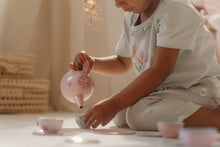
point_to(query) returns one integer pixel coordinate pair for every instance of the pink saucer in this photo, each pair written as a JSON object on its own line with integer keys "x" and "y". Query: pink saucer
{"x": 63, "y": 132}
{"x": 82, "y": 140}
{"x": 114, "y": 131}
{"x": 41, "y": 132}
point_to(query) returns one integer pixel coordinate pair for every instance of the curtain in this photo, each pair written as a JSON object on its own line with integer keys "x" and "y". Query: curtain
{"x": 54, "y": 31}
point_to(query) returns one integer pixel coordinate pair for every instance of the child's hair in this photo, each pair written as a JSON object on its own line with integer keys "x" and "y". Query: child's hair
{"x": 90, "y": 8}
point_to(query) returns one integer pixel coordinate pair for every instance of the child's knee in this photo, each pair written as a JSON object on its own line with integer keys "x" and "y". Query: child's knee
{"x": 142, "y": 120}
{"x": 120, "y": 120}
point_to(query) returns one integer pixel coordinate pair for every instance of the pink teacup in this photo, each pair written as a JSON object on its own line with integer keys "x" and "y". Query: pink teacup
{"x": 170, "y": 129}
{"x": 198, "y": 137}
{"x": 49, "y": 124}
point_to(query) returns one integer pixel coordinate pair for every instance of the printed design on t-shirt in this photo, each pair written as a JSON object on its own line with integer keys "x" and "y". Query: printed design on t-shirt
{"x": 133, "y": 51}
{"x": 139, "y": 58}
{"x": 142, "y": 58}
{"x": 203, "y": 92}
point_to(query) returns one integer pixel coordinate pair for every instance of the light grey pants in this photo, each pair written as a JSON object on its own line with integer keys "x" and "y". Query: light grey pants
{"x": 165, "y": 105}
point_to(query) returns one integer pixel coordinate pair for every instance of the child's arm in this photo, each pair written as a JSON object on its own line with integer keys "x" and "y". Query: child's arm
{"x": 163, "y": 63}
{"x": 111, "y": 65}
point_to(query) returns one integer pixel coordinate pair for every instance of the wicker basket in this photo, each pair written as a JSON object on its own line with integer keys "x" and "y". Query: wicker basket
{"x": 16, "y": 66}
{"x": 43, "y": 85}
{"x": 23, "y": 96}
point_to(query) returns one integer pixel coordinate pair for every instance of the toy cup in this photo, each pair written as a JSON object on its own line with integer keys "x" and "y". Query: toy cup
{"x": 49, "y": 124}
{"x": 170, "y": 129}
{"x": 198, "y": 137}
{"x": 77, "y": 86}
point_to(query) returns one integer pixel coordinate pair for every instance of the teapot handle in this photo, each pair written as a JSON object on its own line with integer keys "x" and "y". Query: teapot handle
{"x": 86, "y": 68}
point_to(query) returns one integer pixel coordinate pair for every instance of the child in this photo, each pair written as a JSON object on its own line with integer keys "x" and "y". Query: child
{"x": 173, "y": 54}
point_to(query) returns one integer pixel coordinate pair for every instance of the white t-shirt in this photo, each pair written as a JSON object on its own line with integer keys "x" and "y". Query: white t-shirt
{"x": 174, "y": 24}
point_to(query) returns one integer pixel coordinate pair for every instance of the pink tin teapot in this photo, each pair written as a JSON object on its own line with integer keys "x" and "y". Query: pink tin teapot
{"x": 77, "y": 86}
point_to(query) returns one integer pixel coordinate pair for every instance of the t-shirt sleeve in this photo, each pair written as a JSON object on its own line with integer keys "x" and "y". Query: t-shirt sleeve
{"x": 122, "y": 48}
{"x": 178, "y": 27}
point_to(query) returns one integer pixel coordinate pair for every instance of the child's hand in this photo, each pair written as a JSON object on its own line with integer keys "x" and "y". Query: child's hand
{"x": 80, "y": 58}
{"x": 100, "y": 114}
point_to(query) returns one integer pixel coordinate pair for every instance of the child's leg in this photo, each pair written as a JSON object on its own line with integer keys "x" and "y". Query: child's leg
{"x": 120, "y": 119}
{"x": 144, "y": 116}
{"x": 204, "y": 117}
{"x": 170, "y": 105}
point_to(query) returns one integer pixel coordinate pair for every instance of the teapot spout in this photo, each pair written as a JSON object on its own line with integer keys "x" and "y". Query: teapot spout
{"x": 79, "y": 101}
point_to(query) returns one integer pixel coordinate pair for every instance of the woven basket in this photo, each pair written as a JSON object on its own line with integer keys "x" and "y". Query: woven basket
{"x": 23, "y": 96}
{"x": 16, "y": 66}
{"x": 42, "y": 85}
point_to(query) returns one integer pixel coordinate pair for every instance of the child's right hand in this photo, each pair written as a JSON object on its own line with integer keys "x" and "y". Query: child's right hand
{"x": 79, "y": 59}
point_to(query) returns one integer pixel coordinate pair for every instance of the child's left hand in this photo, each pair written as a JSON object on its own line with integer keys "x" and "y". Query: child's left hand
{"x": 101, "y": 113}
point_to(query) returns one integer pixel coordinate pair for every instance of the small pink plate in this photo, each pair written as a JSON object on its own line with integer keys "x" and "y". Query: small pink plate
{"x": 63, "y": 132}
{"x": 41, "y": 132}
{"x": 114, "y": 131}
